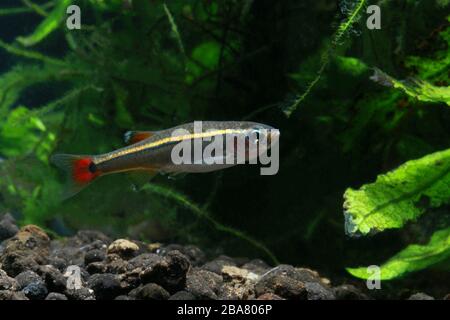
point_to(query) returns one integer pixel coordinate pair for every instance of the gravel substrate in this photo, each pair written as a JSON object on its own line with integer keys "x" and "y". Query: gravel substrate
{"x": 91, "y": 266}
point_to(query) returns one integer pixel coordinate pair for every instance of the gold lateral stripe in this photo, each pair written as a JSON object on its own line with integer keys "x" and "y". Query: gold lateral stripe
{"x": 157, "y": 143}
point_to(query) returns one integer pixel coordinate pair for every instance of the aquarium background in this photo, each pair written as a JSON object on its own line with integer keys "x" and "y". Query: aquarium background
{"x": 304, "y": 67}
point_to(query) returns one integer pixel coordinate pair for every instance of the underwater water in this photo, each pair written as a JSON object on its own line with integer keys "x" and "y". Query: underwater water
{"x": 360, "y": 96}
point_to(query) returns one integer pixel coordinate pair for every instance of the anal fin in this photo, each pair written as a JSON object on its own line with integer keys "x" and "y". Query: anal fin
{"x": 139, "y": 178}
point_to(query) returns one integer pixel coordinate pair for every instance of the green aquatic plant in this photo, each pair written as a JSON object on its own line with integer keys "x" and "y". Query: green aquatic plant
{"x": 396, "y": 198}
{"x": 434, "y": 67}
{"x": 353, "y": 15}
{"x": 399, "y": 196}
{"x": 32, "y": 135}
{"x": 30, "y": 7}
{"x": 413, "y": 258}
{"x": 48, "y": 25}
{"x": 411, "y": 190}
{"x": 415, "y": 88}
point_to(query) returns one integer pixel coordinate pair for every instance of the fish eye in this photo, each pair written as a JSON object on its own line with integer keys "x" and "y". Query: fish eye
{"x": 258, "y": 134}
{"x": 262, "y": 132}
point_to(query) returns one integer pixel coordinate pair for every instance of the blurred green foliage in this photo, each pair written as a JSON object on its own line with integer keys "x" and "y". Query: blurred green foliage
{"x": 149, "y": 65}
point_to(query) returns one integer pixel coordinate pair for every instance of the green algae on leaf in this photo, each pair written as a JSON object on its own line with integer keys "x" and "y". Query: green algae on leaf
{"x": 415, "y": 88}
{"x": 394, "y": 198}
{"x": 47, "y": 26}
{"x": 413, "y": 258}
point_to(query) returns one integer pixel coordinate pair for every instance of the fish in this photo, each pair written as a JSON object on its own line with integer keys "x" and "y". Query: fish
{"x": 153, "y": 151}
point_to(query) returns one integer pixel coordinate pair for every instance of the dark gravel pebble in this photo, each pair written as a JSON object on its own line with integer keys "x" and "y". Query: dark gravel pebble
{"x": 182, "y": 295}
{"x": 145, "y": 260}
{"x": 269, "y": 296}
{"x": 7, "y": 283}
{"x": 32, "y": 285}
{"x": 82, "y": 293}
{"x": 203, "y": 284}
{"x": 195, "y": 256}
{"x": 12, "y": 295}
{"x": 35, "y": 290}
{"x": 56, "y": 296}
{"x": 420, "y": 296}
{"x": 106, "y": 286}
{"x": 27, "y": 277}
{"x": 256, "y": 266}
{"x": 348, "y": 292}
{"x": 123, "y": 297}
{"x": 94, "y": 255}
{"x": 283, "y": 282}
{"x": 169, "y": 272}
{"x": 53, "y": 278}
{"x": 8, "y": 227}
{"x": 316, "y": 291}
{"x": 150, "y": 291}
{"x": 217, "y": 265}
{"x": 87, "y": 237}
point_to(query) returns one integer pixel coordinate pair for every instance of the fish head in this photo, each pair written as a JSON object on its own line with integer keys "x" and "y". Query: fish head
{"x": 260, "y": 138}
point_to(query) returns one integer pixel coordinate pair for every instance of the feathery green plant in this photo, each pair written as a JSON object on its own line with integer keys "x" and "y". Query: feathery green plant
{"x": 343, "y": 29}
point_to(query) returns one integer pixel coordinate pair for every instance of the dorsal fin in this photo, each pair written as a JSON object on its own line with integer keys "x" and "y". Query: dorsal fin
{"x": 132, "y": 137}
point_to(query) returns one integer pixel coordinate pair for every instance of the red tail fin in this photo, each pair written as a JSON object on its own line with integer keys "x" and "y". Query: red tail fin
{"x": 81, "y": 170}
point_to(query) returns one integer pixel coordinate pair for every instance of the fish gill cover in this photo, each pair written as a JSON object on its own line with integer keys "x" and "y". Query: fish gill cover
{"x": 363, "y": 113}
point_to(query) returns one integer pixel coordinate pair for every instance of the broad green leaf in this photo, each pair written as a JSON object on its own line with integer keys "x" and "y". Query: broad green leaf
{"x": 413, "y": 258}
{"x": 48, "y": 25}
{"x": 397, "y": 197}
{"x": 205, "y": 57}
{"x": 415, "y": 88}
